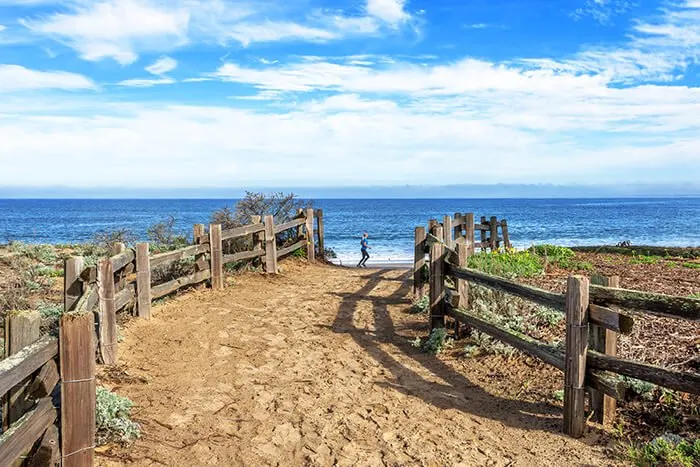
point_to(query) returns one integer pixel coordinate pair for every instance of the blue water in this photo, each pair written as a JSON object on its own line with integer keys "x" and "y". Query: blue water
{"x": 390, "y": 222}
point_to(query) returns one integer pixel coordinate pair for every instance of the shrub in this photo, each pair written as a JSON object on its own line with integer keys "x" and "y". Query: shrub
{"x": 547, "y": 316}
{"x": 50, "y": 310}
{"x": 112, "y": 416}
{"x": 694, "y": 295}
{"x": 421, "y": 305}
{"x": 300, "y": 253}
{"x": 164, "y": 237}
{"x": 553, "y": 252}
{"x": 509, "y": 264}
{"x": 668, "y": 450}
{"x": 437, "y": 341}
{"x": 107, "y": 239}
{"x": 45, "y": 254}
{"x": 691, "y": 265}
{"x": 558, "y": 395}
{"x": 643, "y": 259}
{"x": 639, "y": 387}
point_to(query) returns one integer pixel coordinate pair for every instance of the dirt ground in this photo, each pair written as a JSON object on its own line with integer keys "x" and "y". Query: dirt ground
{"x": 316, "y": 367}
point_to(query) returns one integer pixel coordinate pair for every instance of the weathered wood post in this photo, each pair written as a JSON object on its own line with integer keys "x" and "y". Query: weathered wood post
{"x": 493, "y": 233}
{"x": 321, "y": 234}
{"x": 310, "y": 248}
{"x": 258, "y": 238}
{"x": 483, "y": 232}
{"x": 270, "y": 246}
{"x": 143, "y": 281}
{"x": 577, "y": 301}
{"x": 469, "y": 231}
{"x": 108, "y": 313}
{"x": 432, "y": 223}
{"x": 72, "y": 286}
{"x": 120, "y": 279}
{"x": 604, "y": 341}
{"x": 437, "y": 281}
{"x": 217, "y": 257}
{"x": 22, "y": 328}
{"x": 448, "y": 231}
{"x": 419, "y": 262}
{"x": 458, "y": 225}
{"x": 300, "y": 229}
{"x": 462, "y": 246}
{"x": 506, "y": 236}
{"x": 77, "y": 368}
{"x": 198, "y": 238}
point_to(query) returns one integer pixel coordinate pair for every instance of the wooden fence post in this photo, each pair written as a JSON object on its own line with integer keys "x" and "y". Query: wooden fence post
{"x": 22, "y": 328}
{"x": 506, "y": 236}
{"x": 577, "y": 301}
{"x": 483, "y": 232}
{"x": 604, "y": 341}
{"x": 458, "y": 225}
{"x": 300, "y": 229}
{"x": 198, "y": 238}
{"x": 463, "y": 252}
{"x": 143, "y": 281}
{"x": 310, "y": 249}
{"x": 270, "y": 246}
{"x": 469, "y": 234}
{"x": 493, "y": 233}
{"x": 217, "y": 258}
{"x": 437, "y": 281}
{"x": 77, "y": 366}
{"x": 419, "y": 262}
{"x": 72, "y": 286}
{"x": 321, "y": 235}
{"x": 108, "y": 313}
{"x": 448, "y": 231}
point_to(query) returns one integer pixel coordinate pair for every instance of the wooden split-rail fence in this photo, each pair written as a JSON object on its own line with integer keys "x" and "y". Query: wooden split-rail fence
{"x": 49, "y": 381}
{"x": 596, "y": 310}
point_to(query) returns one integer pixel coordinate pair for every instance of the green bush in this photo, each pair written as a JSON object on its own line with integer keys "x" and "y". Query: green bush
{"x": 50, "y": 310}
{"x": 547, "y": 316}
{"x": 691, "y": 265}
{"x": 553, "y": 252}
{"x": 107, "y": 239}
{"x": 643, "y": 259}
{"x": 510, "y": 264}
{"x": 558, "y": 395}
{"x": 163, "y": 236}
{"x": 437, "y": 341}
{"x": 112, "y": 416}
{"x": 45, "y": 254}
{"x": 666, "y": 450}
{"x": 694, "y": 295}
{"x": 421, "y": 305}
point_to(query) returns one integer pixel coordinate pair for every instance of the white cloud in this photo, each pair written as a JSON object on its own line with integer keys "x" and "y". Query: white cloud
{"x": 146, "y": 82}
{"x": 602, "y": 11}
{"x": 271, "y": 31}
{"x": 162, "y": 66}
{"x": 19, "y": 78}
{"x": 2, "y": 28}
{"x": 390, "y": 11}
{"x": 116, "y": 29}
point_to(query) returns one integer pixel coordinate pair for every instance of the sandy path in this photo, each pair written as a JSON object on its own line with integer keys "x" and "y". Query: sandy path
{"x": 314, "y": 367}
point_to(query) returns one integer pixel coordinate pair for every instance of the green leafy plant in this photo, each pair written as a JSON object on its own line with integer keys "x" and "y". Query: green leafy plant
{"x": 644, "y": 259}
{"x": 50, "y": 310}
{"x": 45, "y": 254}
{"x": 666, "y": 450}
{"x": 421, "y": 305}
{"x": 300, "y": 253}
{"x": 437, "y": 341}
{"x": 547, "y": 316}
{"x": 691, "y": 265}
{"x": 112, "y": 416}
{"x": 639, "y": 387}
{"x": 510, "y": 264}
{"x": 694, "y": 295}
{"x": 558, "y": 395}
{"x": 164, "y": 237}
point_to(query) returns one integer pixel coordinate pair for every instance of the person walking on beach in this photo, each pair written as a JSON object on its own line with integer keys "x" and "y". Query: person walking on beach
{"x": 364, "y": 246}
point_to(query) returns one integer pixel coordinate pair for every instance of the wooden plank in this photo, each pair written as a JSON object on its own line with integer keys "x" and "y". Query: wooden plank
{"x": 288, "y": 225}
{"x": 217, "y": 259}
{"x": 45, "y": 381}
{"x": 493, "y": 233}
{"x": 22, "y": 435}
{"x": 458, "y": 224}
{"x": 120, "y": 261}
{"x": 143, "y": 281}
{"x": 461, "y": 285}
{"x": 19, "y": 366}
{"x": 291, "y": 248}
{"x": 77, "y": 368}
{"x": 72, "y": 285}
{"x": 610, "y": 319}
{"x": 22, "y": 328}
{"x": 89, "y": 275}
{"x": 321, "y": 234}
{"x": 48, "y": 453}
{"x": 258, "y": 238}
{"x": 310, "y": 243}
{"x": 270, "y": 246}
{"x": 448, "y": 232}
{"x": 176, "y": 255}
{"x": 506, "y": 235}
{"x": 242, "y": 255}
{"x": 547, "y": 353}
{"x": 603, "y": 339}
{"x": 437, "y": 282}
{"x": 300, "y": 229}
{"x": 418, "y": 262}
{"x": 88, "y": 301}
{"x": 575, "y": 359}
{"x": 671, "y": 379}
{"x": 162, "y": 290}
{"x": 242, "y": 231}
{"x": 542, "y": 297}
{"x": 647, "y": 302}
{"x": 124, "y": 297}
{"x": 482, "y": 227}
{"x": 108, "y": 331}
{"x": 199, "y": 238}
{"x": 469, "y": 231}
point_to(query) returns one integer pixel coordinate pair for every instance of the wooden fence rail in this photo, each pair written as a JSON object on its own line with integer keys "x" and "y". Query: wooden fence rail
{"x": 594, "y": 317}
{"x": 92, "y": 298}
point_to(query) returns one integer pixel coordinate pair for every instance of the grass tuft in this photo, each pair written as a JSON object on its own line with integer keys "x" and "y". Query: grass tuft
{"x": 113, "y": 422}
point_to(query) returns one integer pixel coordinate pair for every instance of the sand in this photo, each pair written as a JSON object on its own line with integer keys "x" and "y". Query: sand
{"x": 315, "y": 367}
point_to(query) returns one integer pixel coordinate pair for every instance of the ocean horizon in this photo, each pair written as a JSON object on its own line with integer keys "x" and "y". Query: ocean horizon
{"x": 389, "y": 222}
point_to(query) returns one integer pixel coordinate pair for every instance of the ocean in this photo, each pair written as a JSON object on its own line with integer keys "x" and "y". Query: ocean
{"x": 390, "y": 222}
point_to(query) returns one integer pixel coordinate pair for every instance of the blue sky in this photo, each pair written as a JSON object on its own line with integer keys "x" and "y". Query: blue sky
{"x": 216, "y": 93}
